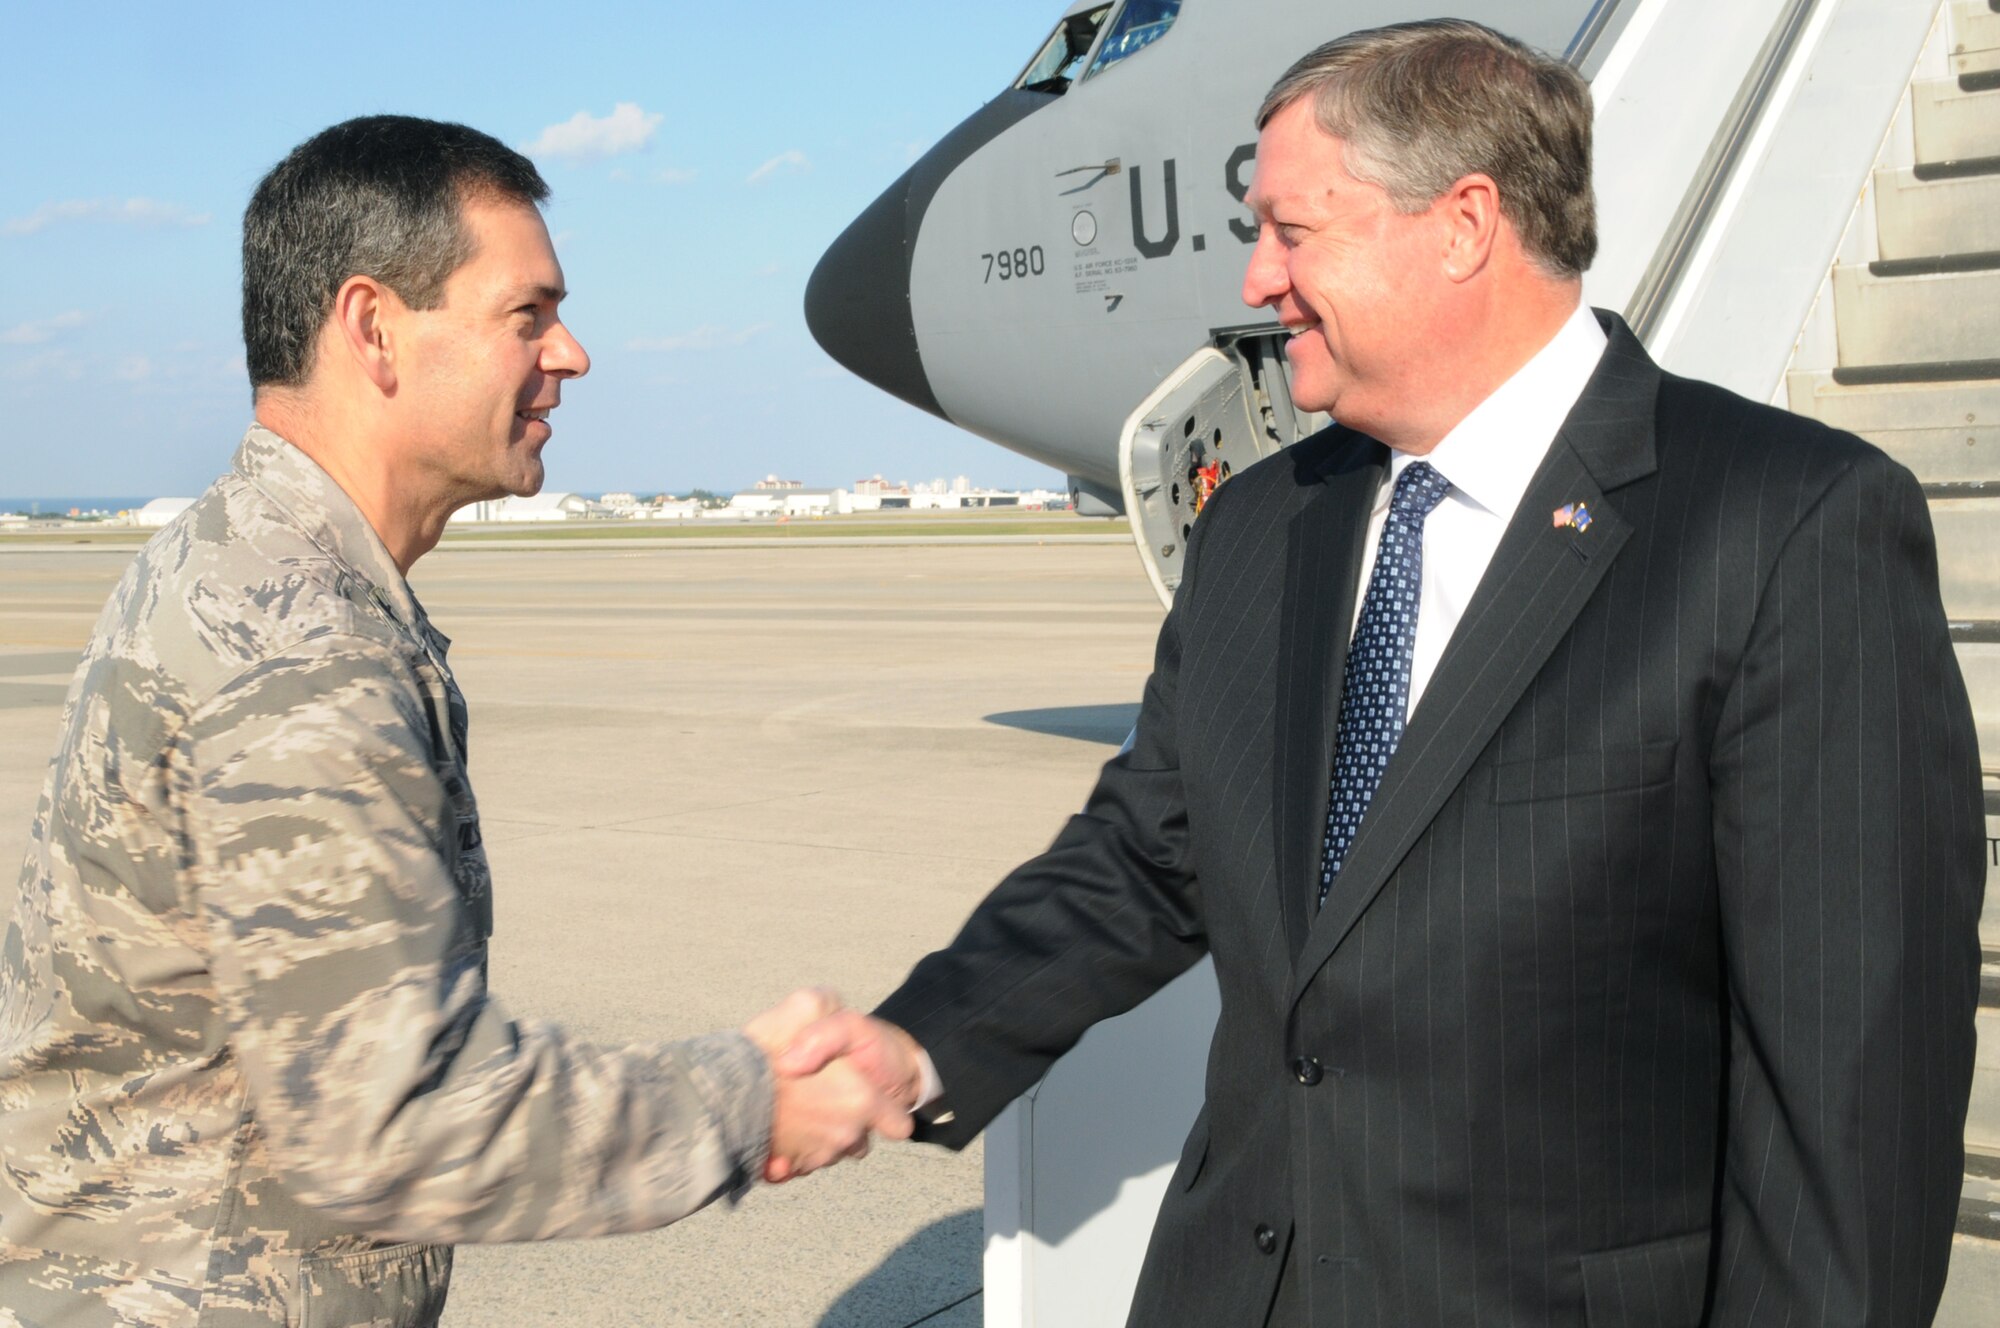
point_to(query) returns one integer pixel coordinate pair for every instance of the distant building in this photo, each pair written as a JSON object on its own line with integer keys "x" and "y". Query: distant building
{"x": 772, "y": 482}
{"x": 793, "y": 500}
{"x": 878, "y": 487}
{"x": 160, "y": 511}
{"x": 624, "y": 504}
{"x": 538, "y": 507}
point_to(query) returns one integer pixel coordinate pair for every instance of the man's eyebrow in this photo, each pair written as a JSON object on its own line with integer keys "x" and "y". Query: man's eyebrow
{"x": 544, "y": 294}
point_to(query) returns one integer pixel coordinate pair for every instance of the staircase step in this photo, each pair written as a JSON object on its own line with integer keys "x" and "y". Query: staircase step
{"x": 1943, "y": 457}
{"x": 1943, "y": 371}
{"x": 1979, "y": 662}
{"x": 1982, "y": 1121}
{"x": 1975, "y": 62}
{"x": 1968, "y": 546}
{"x": 1952, "y": 124}
{"x": 1946, "y": 433}
{"x": 1975, "y": 37}
{"x": 1904, "y": 320}
{"x": 1936, "y": 265}
{"x": 1917, "y": 218}
{"x": 1956, "y": 170}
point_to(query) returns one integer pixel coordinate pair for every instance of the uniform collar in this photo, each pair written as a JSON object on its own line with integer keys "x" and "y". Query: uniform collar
{"x": 324, "y": 513}
{"x": 1491, "y": 454}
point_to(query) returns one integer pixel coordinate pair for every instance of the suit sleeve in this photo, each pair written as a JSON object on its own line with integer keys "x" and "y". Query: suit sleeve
{"x": 392, "y": 1090}
{"x": 1848, "y": 842}
{"x": 1108, "y": 915}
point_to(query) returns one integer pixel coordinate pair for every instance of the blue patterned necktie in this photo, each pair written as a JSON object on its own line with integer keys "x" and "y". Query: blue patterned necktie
{"x": 1375, "y": 687}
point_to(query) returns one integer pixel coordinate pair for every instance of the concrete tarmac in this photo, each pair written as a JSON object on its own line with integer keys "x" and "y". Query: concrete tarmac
{"x": 707, "y": 776}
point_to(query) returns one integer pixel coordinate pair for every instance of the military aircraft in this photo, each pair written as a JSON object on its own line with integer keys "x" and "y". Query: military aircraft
{"x": 1798, "y": 199}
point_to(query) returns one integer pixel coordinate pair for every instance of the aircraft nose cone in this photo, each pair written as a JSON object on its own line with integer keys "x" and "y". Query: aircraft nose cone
{"x": 858, "y": 300}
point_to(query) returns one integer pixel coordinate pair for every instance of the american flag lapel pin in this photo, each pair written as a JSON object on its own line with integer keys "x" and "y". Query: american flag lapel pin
{"x": 1575, "y": 516}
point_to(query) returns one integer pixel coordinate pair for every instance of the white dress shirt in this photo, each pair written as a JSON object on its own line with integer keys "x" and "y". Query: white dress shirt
{"x": 1489, "y": 457}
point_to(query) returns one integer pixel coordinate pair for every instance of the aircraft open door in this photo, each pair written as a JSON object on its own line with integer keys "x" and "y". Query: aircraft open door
{"x": 1223, "y": 408}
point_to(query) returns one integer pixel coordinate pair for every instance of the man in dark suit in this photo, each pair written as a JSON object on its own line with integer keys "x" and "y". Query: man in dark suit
{"x": 1566, "y": 766}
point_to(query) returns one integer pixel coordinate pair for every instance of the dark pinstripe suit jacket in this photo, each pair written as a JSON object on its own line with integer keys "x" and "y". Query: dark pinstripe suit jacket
{"x": 1645, "y": 996}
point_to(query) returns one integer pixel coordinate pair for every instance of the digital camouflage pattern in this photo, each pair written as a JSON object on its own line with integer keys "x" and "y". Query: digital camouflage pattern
{"x": 250, "y": 1072}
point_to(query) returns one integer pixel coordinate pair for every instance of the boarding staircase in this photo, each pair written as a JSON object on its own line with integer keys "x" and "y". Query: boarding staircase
{"x": 1910, "y": 322}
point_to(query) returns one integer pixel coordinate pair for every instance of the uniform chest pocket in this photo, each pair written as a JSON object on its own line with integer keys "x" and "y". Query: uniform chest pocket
{"x": 1599, "y": 771}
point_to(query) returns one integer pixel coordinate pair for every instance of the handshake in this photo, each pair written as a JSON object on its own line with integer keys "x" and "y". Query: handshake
{"x": 838, "y": 1076}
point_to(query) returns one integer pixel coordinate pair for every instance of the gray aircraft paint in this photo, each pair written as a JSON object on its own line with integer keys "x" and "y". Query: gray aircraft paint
{"x": 1051, "y": 363}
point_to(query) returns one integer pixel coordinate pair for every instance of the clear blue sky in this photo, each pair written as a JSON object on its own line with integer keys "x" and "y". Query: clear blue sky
{"x": 734, "y": 142}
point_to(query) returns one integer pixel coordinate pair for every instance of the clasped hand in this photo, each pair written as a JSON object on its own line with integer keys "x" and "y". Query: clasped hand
{"x": 838, "y": 1075}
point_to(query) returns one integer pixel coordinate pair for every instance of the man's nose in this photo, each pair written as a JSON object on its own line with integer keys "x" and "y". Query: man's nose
{"x": 563, "y": 356}
{"x": 1264, "y": 280}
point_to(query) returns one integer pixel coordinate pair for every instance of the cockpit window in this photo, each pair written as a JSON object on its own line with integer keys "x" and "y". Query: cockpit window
{"x": 1062, "y": 55}
{"x": 1139, "y": 25}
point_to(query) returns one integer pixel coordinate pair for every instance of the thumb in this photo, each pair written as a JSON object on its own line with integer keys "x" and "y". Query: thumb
{"x": 818, "y": 1045}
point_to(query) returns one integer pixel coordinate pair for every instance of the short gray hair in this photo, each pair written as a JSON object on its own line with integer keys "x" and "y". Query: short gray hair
{"x": 380, "y": 196}
{"x": 1420, "y": 106}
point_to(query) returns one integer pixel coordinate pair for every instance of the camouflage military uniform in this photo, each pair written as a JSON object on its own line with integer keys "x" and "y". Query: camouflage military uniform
{"x": 249, "y": 1069}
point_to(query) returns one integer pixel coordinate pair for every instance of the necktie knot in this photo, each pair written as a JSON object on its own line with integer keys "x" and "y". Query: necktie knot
{"x": 1419, "y": 489}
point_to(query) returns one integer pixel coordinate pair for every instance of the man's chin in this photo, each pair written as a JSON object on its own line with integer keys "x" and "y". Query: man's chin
{"x": 1309, "y": 386}
{"x": 1310, "y": 396}
{"x": 527, "y": 481}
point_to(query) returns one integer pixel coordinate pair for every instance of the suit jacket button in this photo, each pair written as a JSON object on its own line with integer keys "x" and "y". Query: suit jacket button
{"x": 1267, "y": 1239}
{"x": 1308, "y": 1070}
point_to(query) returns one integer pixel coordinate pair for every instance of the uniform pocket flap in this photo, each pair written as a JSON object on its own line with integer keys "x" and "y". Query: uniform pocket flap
{"x": 1660, "y": 1284}
{"x": 1585, "y": 771}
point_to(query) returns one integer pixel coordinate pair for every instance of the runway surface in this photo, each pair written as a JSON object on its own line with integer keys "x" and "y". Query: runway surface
{"x": 706, "y": 776}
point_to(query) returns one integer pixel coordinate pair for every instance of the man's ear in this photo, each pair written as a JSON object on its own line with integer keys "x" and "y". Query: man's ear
{"x": 1470, "y": 211}
{"x": 366, "y": 320}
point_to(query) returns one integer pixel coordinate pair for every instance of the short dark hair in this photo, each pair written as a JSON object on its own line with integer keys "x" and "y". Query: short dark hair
{"x": 1422, "y": 105}
{"x": 379, "y": 196}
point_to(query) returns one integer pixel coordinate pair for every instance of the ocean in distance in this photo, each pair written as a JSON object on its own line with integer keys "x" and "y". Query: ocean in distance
{"x": 62, "y": 506}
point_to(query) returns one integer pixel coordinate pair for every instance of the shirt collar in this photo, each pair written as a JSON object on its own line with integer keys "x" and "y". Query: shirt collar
{"x": 321, "y": 509}
{"x": 1491, "y": 454}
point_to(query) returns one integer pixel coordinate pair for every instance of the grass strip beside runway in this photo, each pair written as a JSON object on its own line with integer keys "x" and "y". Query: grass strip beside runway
{"x": 552, "y": 532}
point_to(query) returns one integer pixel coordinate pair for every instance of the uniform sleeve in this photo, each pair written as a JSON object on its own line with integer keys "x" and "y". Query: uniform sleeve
{"x": 1848, "y": 844}
{"x": 393, "y": 1092}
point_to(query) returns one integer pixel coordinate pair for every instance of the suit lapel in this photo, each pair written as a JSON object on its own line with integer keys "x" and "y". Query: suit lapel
{"x": 1539, "y": 580}
{"x": 1323, "y": 555}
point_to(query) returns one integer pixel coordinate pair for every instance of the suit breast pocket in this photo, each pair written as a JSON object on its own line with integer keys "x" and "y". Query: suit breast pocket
{"x": 1588, "y": 772}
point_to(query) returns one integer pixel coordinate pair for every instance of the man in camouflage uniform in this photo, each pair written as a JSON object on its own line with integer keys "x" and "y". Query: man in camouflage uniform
{"x": 250, "y": 1072}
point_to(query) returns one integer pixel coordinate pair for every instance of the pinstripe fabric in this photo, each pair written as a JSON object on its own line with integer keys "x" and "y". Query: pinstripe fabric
{"x": 1647, "y": 995}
